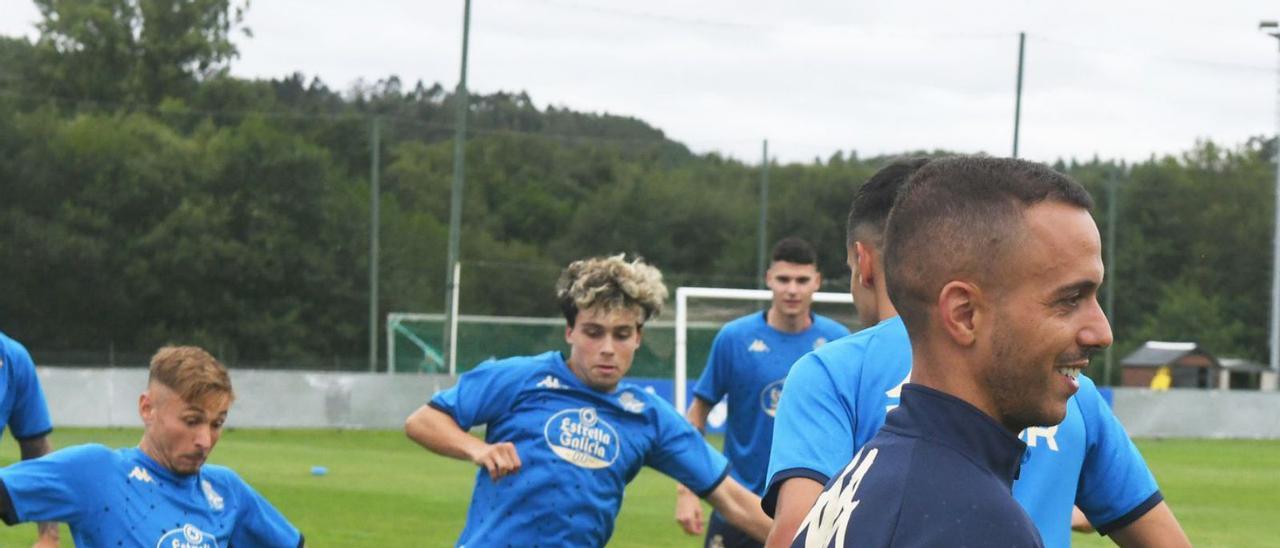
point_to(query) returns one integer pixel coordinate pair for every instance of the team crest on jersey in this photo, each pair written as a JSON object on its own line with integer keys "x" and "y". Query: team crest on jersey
{"x": 758, "y": 345}
{"x": 630, "y": 402}
{"x": 189, "y": 536}
{"x": 769, "y": 397}
{"x": 215, "y": 500}
{"x": 581, "y": 437}
{"x": 550, "y": 382}
{"x": 139, "y": 474}
{"x": 819, "y": 342}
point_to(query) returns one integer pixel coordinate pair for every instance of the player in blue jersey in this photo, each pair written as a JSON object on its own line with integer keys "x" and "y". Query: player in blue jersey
{"x": 160, "y": 493}
{"x": 1087, "y": 459}
{"x": 565, "y": 435}
{"x": 749, "y": 360}
{"x": 24, "y": 411}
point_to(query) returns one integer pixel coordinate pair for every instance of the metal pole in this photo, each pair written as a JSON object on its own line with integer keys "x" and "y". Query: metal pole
{"x": 455, "y": 201}
{"x": 1112, "y": 271}
{"x": 1017, "y": 105}
{"x": 373, "y": 243}
{"x": 1275, "y": 252}
{"x": 764, "y": 216}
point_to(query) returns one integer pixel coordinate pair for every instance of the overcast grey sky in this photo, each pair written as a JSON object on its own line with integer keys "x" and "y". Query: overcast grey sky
{"x": 1117, "y": 79}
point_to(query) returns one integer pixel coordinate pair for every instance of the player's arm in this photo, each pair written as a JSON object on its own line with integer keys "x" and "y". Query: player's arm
{"x": 1156, "y": 528}
{"x": 688, "y": 505}
{"x": 741, "y": 508}
{"x": 1080, "y": 523}
{"x": 795, "y": 497}
{"x": 35, "y": 448}
{"x": 440, "y": 433}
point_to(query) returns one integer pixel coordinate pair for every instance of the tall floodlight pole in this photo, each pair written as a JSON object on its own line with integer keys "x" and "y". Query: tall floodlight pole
{"x": 1112, "y": 271}
{"x": 763, "y": 236}
{"x": 1275, "y": 237}
{"x": 455, "y": 194}
{"x": 375, "y": 154}
{"x": 1017, "y": 101}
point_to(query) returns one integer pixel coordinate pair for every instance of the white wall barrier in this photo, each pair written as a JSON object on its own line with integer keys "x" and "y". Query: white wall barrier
{"x": 1188, "y": 413}
{"x": 264, "y": 399}
{"x": 306, "y": 399}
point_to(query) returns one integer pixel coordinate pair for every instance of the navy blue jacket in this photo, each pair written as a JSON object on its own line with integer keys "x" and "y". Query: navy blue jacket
{"x": 940, "y": 473}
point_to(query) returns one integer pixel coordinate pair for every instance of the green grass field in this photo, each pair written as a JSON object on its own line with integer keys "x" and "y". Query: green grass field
{"x": 381, "y": 490}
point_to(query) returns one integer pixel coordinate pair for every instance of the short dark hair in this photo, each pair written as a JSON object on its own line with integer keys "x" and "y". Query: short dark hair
{"x": 874, "y": 199}
{"x": 794, "y": 250}
{"x": 959, "y": 216}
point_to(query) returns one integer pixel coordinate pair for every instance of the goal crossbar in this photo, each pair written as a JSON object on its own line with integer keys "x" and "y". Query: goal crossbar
{"x": 683, "y": 294}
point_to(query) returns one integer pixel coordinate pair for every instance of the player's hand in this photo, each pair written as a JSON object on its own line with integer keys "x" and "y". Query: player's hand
{"x": 45, "y": 542}
{"x": 689, "y": 512}
{"x": 500, "y": 459}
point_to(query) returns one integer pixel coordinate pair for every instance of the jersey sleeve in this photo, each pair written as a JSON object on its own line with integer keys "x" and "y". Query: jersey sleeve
{"x": 30, "y": 416}
{"x": 1116, "y": 487}
{"x": 482, "y": 394}
{"x": 812, "y": 431}
{"x": 680, "y": 451}
{"x": 714, "y": 382}
{"x": 54, "y": 487}
{"x": 259, "y": 523}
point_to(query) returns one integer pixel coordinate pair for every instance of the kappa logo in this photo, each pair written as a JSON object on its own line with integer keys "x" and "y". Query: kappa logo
{"x": 215, "y": 500}
{"x": 828, "y": 521}
{"x": 769, "y": 397}
{"x": 141, "y": 475}
{"x": 630, "y": 402}
{"x": 581, "y": 437}
{"x": 188, "y": 536}
{"x": 550, "y": 382}
{"x": 818, "y": 343}
{"x": 758, "y": 346}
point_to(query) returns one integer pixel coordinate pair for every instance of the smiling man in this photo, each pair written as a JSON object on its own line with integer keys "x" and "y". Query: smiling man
{"x": 161, "y": 493}
{"x": 994, "y": 265}
{"x": 749, "y": 360}
{"x": 564, "y": 436}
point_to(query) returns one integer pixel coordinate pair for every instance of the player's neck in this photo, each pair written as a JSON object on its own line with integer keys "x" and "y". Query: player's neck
{"x": 957, "y": 379}
{"x": 788, "y": 323}
{"x": 885, "y": 308}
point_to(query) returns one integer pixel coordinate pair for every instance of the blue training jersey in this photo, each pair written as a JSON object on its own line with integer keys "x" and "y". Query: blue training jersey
{"x": 124, "y": 498}
{"x": 938, "y": 473}
{"x": 578, "y": 449}
{"x": 1087, "y": 460}
{"x": 749, "y": 361}
{"x": 22, "y": 405}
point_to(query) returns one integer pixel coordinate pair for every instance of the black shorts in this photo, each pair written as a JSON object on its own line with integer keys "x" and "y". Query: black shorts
{"x": 720, "y": 534}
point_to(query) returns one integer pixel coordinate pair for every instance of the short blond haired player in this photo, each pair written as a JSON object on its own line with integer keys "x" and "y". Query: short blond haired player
{"x": 160, "y": 493}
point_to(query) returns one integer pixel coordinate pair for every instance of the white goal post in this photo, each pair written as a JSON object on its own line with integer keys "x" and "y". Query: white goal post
{"x": 683, "y": 294}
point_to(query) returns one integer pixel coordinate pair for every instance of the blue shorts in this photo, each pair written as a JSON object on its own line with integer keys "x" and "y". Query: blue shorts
{"x": 720, "y": 534}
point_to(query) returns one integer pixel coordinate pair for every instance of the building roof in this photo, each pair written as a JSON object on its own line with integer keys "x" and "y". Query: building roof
{"x": 1242, "y": 365}
{"x": 1162, "y": 353}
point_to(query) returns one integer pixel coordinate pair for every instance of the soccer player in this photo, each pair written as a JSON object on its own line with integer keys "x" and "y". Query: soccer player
{"x": 851, "y": 383}
{"x": 24, "y": 411}
{"x": 160, "y": 493}
{"x": 749, "y": 360}
{"x": 564, "y": 435}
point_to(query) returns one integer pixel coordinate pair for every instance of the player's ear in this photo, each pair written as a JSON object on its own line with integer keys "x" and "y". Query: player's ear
{"x": 959, "y": 306}
{"x": 866, "y": 262}
{"x": 568, "y": 330}
{"x": 146, "y": 407}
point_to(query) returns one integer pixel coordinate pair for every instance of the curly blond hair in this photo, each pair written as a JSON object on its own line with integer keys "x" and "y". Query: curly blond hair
{"x": 610, "y": 283}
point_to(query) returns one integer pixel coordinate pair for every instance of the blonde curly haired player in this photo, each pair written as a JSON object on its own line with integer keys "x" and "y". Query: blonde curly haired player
{"x": 565, "y": 434}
